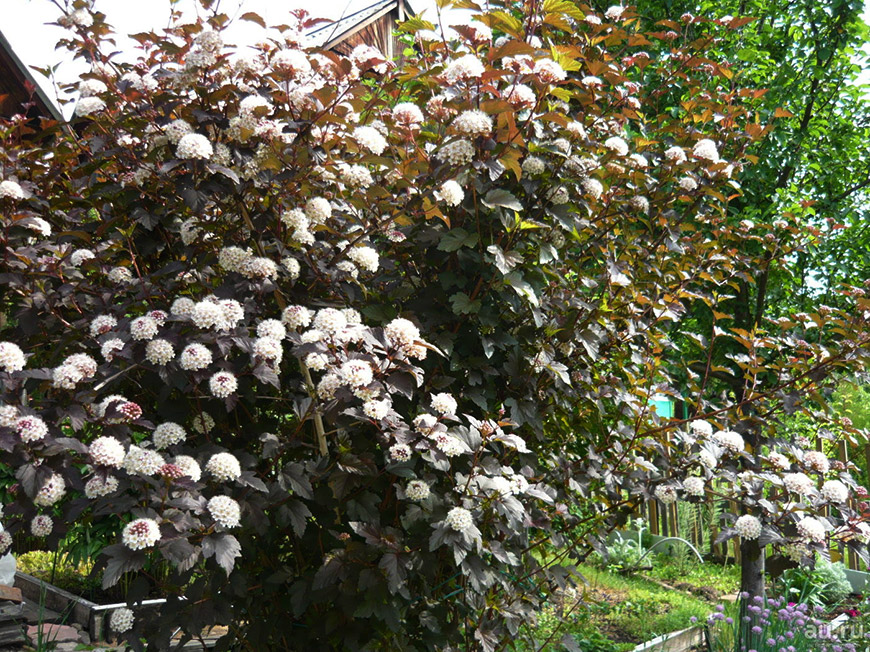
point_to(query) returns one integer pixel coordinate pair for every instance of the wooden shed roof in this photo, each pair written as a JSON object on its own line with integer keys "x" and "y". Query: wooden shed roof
{"x": 331, "y": 35}
{"x": 16, "y": 82}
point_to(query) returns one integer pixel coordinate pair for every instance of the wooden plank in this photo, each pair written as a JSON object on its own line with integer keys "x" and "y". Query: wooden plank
{"x": 10, "y": 593}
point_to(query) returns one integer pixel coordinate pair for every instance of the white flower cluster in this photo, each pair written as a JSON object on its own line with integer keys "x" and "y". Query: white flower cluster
{"x": 457, "y": 152}
{"x": 417, "y": 490}
{"x": 694, "y": 486}
{"x": 52, "y": 490}
{"x": 224, "y": 467}
{"x": 357, "y": 373}
{"x": 748, "y": 527}
{"x": 294, "y": 317}
{"x": 189, "y": 466}
{"x": 122, "y": 620}
{"x": 473, "y": 122}
{"x": 107, "y": 451}
{"x": 141, "y": 533}
{"x": 705, "y": 149}
{"x": 365, "y": 258}
{"x": 370, "y": 138}
{"x": 11, "y": 190}
{"x": 534, "y": 165}
{"x": 811, "y": 529}
{"x": 444, "y": 403}
{"x": 798, "y": 483}
{"x": 450, "y": 193}
{"x": 97, "y": 487}
{"x": 142, "y": 461}
{"x": 102, "y": 324}
{"x": 666, "y": 493}
{"x": 223, "y": 384}
{"x": 779, "y": 461}
{"x": 41, "y": 525}
{"x": 168, "y": 434}
{"x": 834, "y": 491}
{"x": 195, "y": 357}
{"x": 459, "y": 519}
{"x": 79, "y": 256}
{"x": 225, "y": 511}
{"x": 194, "y": 146}
{"x": 400, "y": 452}
{"x": 31, "y": 428}
{"x": 377, "y": 410}
{"x": 817, "y": 461}
{"x": 464, "y": 68}
{"x": 729, "y": 440}
{"x": 159, "y": 352}
{"x": 11, "y": 357}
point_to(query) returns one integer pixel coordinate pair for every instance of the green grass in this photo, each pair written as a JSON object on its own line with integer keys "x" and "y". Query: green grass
{"x": 624, "y": 609}
{"x": 724, "y": 579}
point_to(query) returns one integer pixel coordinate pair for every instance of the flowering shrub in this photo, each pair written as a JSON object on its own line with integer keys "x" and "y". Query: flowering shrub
{"x": 343, "y": 342}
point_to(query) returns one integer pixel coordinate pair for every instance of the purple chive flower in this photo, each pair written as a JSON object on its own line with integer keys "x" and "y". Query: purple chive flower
{"x": 756, "y": 630}
{"x": 729, "y": 620}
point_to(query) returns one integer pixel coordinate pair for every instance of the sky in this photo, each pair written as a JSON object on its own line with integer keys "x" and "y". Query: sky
{"x": 24, "y": 23}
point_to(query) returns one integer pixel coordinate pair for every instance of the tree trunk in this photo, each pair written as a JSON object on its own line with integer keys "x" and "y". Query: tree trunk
{"x": 751, "y": 582}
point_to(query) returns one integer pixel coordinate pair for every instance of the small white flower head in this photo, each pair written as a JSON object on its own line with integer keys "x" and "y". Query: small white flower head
{"x": 400, "y": 453}
{"x": 8, "y": 416}
{"x": 533, "y": 165}
{"x": 520, "y": 96}
{"x": 142, "y": 461}
{"x": 705, "y": 149}
{"x": 377, "y": 410}
{"x": 31, "y": 428}
{"x": 444, "y": 403}
{"x": 811, "y": 529}
{"x": 207, "y": 314}
{"x": 365, "y": 258}
{"x": 457, "y": 152}
{"x": 558, "y": 195}
{"x": 675, "y": 154}
{"x": 141, "y": 533}
{"x": 292, "y": 62}
{"x": 269, "y": 349}
{"x": 729, "y": 440}
{"x": 222, "y": 384}
{"x": 464, "y": 68}
{"x": 224, "y": 467}
{"x": 107, "y": 451}
{"x": 111, "y": 348}
{"x": 356, "y": 176}
{"x": 576, "y": 130}
{"x": 259, "y": 268}
{"x": 327, "y": 386}
{"x": 41, "y": 525}
{"x": 592, "y": 186}
{"x": 614, "y": 12}
{"x": 91, "y": 87}
{"x": 352, "y": 315}
{"x": 330, "y": 321}
{"x": 195, "y": 357}
{"x": 549, "y": 72}
{"x": 5, "y": 542}
{"x": 357, "y": 373}
{"x": 701, "y": 428}
{"x": 639, "y": 204}
{"x": 52, "y": 490}
{"x": 473, "y": 122}
{"x": 616, "y": 145}
{"x": 417, "y": 490}
{"x": 459, "y": 519}
{"x": 707, "y": 459}
{"x": 11, "y": 190}
{"x": 318, "y": 209}
{"x": 370, "y": 138}
{"x": 408, "y": 115}
{"x": 449, "y": 445}
{"x": 168, "y": 434}
{"x": 402, "y": 333}
{"x": 120, "y": 275}
{"x": 39, "y": 225}
{"x": 817, "y": 461}
{"x": 159, "y": 352}
{"x": 121, "y": 620}
{"x": 225, "y": 511}
{"x": 666, "y": 493}
{"x": 194, "y": 146}
{"x": 271, "y": 328}
{"x": 233, "y": 259}
{"x": 11, "y": 357}
{"x": 188, "y": 466}
{"x": 292, "y": 266}
{"x": 295, "y": 316}
{"x": 694, "y": 486}
{"x": 143, "y": 328}
{"x": 84, "y": 363}
{"x": 450, "y": 193}
{"x": 79, "y": 256}
{"x": 834, "y": 491}
{"x": 96, "y": 487}
{"x": 316, "y": 361}
{"x": 518, "y": 484}
{"x": 182, "y": 307}
{"x": 779, "y": 461}
{"x": 798, "y": 483}
{"x": 88, "y": 106}
{"x": 102, "y": 324}
{"x": 748, "y": 527}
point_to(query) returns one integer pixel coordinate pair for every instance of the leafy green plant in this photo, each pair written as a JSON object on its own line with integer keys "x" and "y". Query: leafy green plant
{"x": 824, "y": 584}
